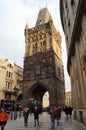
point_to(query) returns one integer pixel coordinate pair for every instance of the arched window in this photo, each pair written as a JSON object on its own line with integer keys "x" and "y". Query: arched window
{"x": 36, "y": 47}
{"x": 37, "y": 69}
{"x": 44, "y": 45}
{"x": 33, "y": 49}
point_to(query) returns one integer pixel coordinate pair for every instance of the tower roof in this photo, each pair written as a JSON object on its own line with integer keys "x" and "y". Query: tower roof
{"x": 43, "y": 17}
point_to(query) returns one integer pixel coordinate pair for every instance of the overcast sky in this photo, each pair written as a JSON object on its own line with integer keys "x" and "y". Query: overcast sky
{"x": 14, "y": 14}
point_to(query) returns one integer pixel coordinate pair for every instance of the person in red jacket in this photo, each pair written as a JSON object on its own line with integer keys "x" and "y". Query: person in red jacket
{"x": 3, "y": 118}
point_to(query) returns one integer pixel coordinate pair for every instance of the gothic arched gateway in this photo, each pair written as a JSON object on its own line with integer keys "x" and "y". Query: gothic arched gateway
{"x": 38, "y": 89}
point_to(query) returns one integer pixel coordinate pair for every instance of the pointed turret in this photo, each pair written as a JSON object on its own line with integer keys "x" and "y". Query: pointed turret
{"x": 26, "y": 27}
{"x": 43, "y": 17}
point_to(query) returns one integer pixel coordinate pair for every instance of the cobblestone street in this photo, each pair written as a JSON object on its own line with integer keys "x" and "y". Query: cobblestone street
{"x": 44, "y": 124}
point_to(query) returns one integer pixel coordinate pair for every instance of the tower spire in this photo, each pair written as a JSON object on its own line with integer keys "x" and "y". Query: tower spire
{"x": 26, "y": 25}
{"x": 46, "y": 4}
{"x": 43, "y": 16}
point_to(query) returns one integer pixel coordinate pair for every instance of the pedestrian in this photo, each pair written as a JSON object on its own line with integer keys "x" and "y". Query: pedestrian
{"x": 59, "y": 111}
{"x": 26, "y": 114}
{"x": 52, "y": 117}
{"x": 66, "y": 110}
{"x": 3, "y": 118}
{"x": 57, "y": 114}
{"x": 36, "y": 113}
{"x": 70, "y": 109}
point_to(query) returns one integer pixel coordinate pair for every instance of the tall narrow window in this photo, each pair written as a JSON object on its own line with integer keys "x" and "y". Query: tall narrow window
{"x": 40, "y": 21}
{"x": 41, "y": 47}
{"x": 59, "y": 72}
{"x": 44, "y": 46}
{"x": 69, "y": 26}
{"x": 36, "y": 47}
{"x": 7, "y": 74}
{"x": 33, "y": 49}
{"x": 38, "y": 69}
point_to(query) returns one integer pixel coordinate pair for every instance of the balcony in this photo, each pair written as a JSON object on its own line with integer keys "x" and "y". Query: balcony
{"x": 8, "y": 90}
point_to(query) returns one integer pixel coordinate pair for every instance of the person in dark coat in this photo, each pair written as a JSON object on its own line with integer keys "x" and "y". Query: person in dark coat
{"x": 52, "y": 117}
{"x": 26, "y": 114}
{"x": 66, "y": 110}
{"x": 57, "y": 114}
{"x": 36, "y": 113}
{"x": 70, "y": 109}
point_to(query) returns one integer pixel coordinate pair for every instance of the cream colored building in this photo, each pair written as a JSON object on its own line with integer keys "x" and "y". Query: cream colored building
{"x": 73, "y": 18}
{"x": 11, "y": 76}
{"x": 68, "y": 98}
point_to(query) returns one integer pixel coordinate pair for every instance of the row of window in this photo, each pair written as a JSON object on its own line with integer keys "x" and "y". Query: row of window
{"x": 44, "y": 71}
{"x": 36, "y": 38}
{"x": 8, "y": 84}
{"x": 42, "y": 48}
{"x": 10, "y": 66}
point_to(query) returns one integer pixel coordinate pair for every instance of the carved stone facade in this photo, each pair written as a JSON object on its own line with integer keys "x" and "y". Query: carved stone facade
{"x": 73, "y": 17}
{"x": 43, "y": 68}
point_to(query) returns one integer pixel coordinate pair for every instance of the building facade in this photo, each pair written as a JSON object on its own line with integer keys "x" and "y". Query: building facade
{"x": 68, "y": 98}
{"x": 11, "y": 76}
{"x": 43, "y": 67}
{"x": 73, "y": 18}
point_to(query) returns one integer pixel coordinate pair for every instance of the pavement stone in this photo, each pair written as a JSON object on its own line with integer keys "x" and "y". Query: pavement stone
{"x": 18, "y": 124}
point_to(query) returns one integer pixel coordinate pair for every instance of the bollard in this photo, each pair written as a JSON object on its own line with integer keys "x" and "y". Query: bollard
{"x": 11, "y": 115}
{"x": 20, "y": 114}
{"x": 15, "y": 113}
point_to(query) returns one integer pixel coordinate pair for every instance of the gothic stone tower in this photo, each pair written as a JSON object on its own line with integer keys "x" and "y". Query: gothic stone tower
{"x": 43, "y": 68}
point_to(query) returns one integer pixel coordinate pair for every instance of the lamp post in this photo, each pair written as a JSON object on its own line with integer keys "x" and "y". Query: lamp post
{"x": 16, "y": 94}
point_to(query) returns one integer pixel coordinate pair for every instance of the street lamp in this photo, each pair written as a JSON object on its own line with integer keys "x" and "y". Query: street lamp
{"x": 16, "y": 94}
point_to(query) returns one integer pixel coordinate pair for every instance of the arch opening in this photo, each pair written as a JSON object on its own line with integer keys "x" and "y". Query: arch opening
{"x": 45, "y": 100}
{"x": 37, "y": 93}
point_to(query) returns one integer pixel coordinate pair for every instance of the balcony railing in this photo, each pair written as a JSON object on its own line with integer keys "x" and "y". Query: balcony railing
{"x": 10, "y": 90}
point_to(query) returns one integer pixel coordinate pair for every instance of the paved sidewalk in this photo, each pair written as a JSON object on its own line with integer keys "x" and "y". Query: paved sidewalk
{"x": 18, "y": 124}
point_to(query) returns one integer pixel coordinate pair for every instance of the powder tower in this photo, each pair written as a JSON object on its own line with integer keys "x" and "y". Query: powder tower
{"x": 43, "y": 67}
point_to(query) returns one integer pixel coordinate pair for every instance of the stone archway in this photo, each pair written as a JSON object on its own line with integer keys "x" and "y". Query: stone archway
{"x": 36, "y": 91}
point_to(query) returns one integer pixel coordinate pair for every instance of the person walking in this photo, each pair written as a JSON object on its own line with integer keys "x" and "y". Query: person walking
{"x": 70, "y": 109}
{"x": 26, "y": 114}
{"x": 52, "y": 117}
{"x": 36, "y": 113}
{"x": 57, "y": 114}
{"x": 66, "y": 110}
{"x": 3, "y": 118}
